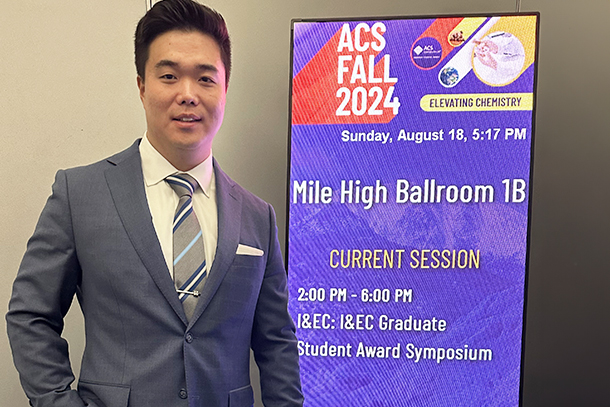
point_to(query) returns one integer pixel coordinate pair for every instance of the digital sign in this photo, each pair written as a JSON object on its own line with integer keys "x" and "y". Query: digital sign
{"x": 408, "y": 212}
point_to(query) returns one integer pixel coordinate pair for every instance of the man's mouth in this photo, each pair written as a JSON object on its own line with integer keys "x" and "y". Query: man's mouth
{"x": 187, "y": 119}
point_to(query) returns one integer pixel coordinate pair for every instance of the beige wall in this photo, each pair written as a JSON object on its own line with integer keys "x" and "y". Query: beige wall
{"x": 68, "y": 97}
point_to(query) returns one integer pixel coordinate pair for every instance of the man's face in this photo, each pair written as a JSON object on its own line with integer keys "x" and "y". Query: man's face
{"x": 183, "y": 95}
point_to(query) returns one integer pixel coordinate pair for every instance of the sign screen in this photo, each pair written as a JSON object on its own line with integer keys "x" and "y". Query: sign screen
{"x": 408, "y": 213}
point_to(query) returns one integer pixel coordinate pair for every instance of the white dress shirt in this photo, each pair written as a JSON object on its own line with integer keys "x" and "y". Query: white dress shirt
{"x": 162, "y": 200}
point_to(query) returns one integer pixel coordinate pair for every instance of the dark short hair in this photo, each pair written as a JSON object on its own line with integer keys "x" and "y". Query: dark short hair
{"x": 183, "y": 15}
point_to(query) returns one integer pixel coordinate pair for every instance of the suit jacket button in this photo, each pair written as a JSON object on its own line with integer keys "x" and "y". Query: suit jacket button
{"x": 183, "y": 394}
{"x": 189, "y": 337}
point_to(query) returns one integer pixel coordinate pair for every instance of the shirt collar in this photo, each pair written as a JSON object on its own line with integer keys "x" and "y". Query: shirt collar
{"x": 156, "y": 168}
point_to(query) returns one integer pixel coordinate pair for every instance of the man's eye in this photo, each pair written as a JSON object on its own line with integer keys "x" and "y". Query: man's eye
{"x": 206, "y": 79}
{"x": 168, "y": 76}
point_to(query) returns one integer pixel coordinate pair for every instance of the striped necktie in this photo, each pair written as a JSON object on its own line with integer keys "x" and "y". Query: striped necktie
{"x": 189, "y": 255}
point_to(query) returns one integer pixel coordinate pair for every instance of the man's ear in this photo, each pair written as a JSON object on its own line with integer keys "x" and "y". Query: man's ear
{"x": 140, "y": 82}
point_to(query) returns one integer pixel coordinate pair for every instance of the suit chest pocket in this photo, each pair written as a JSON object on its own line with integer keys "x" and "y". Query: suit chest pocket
{"x": 247, "y": 261}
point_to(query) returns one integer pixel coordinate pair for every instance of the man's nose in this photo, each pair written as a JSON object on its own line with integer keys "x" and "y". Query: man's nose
{"x": 187, "y": 94}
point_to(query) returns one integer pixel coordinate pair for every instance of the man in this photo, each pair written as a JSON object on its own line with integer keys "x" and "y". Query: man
{"x": 113, "y": 233}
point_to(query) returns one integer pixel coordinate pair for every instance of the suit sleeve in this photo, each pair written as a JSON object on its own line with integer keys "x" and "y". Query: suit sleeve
{"x": 42, "y": 294}
{"x": 273, "y": 339}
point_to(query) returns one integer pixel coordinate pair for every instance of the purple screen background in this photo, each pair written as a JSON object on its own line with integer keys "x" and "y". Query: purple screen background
{"x": 483, "y": 307}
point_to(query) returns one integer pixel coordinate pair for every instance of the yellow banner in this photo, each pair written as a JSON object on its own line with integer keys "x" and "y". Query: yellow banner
{"x": 471, "y": 102}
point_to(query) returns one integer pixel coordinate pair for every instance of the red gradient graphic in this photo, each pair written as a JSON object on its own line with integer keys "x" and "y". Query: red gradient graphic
{"x": 314, "y": 88}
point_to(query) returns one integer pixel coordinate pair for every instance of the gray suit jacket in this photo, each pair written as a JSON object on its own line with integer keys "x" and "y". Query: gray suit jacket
{"x": 95, "y": 239}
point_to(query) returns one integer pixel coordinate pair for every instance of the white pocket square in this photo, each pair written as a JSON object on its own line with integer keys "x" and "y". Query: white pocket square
{"x": 248, "y": 250}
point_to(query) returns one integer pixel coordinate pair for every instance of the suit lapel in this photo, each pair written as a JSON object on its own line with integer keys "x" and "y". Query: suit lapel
{"x": 126, "y": 184}
{"x": 229, "y": 204}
